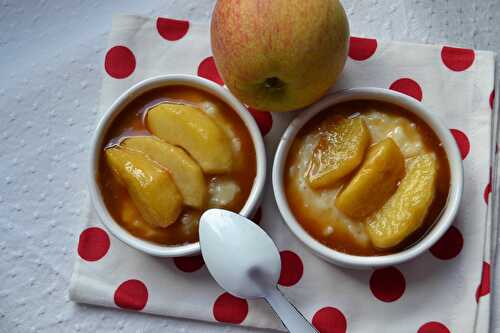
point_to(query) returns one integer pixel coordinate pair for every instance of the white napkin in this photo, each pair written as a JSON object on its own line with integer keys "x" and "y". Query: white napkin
{"x": 434, "y": 293}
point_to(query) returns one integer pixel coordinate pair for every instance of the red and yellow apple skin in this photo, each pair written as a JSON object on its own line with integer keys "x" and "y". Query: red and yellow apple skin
{"x": 279, "y": 55}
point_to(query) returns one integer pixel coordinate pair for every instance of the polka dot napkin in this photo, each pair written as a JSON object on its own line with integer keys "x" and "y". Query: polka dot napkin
{"x": 444, "y": 290}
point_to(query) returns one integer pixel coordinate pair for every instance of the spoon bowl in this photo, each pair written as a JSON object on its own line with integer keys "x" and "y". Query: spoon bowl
{"x": 244, "y": 267}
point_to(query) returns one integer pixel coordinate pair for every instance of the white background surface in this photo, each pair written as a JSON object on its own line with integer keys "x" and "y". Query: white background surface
{"x": 51, "y": 56}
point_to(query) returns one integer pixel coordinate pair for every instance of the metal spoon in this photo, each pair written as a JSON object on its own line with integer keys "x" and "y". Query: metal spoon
{"x": 243, "y": 259}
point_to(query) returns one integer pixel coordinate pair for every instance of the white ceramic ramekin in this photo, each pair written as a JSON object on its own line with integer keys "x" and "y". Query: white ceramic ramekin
{"x": 97, "y": 145}
{"x": 411, "y": 105}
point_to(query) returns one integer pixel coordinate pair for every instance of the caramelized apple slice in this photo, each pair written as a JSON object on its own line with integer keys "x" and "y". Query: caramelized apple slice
{"x": 129, "y": 212}
{"x": 185, "y": 229}
{"x": 339, "y": 151}
{"x": 186, "y": 172}
{"x": 216, "y": 112}
{"x": 405, "y": 211}
{"x": 190, "y": 128}
{"x": 133, "y": 220}
{"x": 150, "y": 187}
{"x": 374, "y": 182}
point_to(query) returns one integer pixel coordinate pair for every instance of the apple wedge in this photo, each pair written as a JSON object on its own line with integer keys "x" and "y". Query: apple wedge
{"x": 185, "y": 229}
{"x": 150, "y": 187}
{"x": 405, "y": 211}
{"x": 340, "y": 150}
{"x": 190, "y": 128}
{"x": 186, "y": 173}
{"x": 375, "y": 181}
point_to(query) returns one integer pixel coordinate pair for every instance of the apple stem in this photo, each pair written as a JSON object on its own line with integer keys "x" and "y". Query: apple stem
{"x": 273, "y": 83}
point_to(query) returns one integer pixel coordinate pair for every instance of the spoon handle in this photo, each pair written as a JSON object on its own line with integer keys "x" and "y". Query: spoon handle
{"x": 289, "y": 315}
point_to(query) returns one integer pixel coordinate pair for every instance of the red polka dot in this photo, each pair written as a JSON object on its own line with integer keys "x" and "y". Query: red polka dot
{"x": 131, "y": 295}
{"x": 408, "y": 87}
{"x": 486, "y": 193}
{"x": 449, "y": 246}
{"x": 492, "y": 99}
{"x": 171, "y": 29}
{"x": 330, "y": 320}
{"x": 93, "y": 244}
{"x": 230, "y": 309}
{"x": 457, "y": 59}
{"x": 291, "y": 268}
{"x": 462, "y": 142}
{"x": 257, "y": 216}
{"x": 387, "y": 284}
{"x": 433, "y": 327}
{"x": 484, "y": 287}
{"x": 189, "y": 264}
{"x": 119, "y": 62}
{"x": 264, "y": 120}
{"x": 361, "y": 48}
{"x": 208, "y": 70}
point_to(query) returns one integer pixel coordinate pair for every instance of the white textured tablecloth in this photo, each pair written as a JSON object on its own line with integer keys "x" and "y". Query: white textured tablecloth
{"x": 437, "y": 292}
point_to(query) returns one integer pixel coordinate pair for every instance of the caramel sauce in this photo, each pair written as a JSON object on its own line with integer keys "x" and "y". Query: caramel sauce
{"x": 340, "y": 238}
{"x": 130, "y": 123}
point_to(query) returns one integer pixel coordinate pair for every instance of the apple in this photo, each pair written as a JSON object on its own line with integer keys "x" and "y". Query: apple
{"x": 279, "y": 55}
